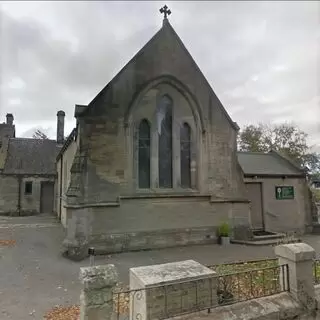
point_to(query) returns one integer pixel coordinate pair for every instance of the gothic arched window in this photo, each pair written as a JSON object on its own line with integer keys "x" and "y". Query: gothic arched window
{"x": 164, "y": 123}
{"x": 185, "y": 155}
{"x": 144, "y": 154}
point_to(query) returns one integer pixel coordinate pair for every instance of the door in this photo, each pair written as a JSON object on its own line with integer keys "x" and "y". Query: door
{"x": 255, "y": 196}
{"x": 46, "y": 197}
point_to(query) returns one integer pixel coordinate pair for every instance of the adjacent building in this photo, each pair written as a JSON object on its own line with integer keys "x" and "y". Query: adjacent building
{"x": 28, "y": 171}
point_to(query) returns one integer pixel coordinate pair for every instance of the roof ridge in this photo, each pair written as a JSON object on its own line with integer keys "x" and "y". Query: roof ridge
{"x": 33, "y": 139}
{"x": 253, "y": 152}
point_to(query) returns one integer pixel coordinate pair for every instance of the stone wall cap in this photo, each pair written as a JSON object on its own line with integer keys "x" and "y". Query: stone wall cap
{"x": 295, "y": 251}
{"x": 98, "y": 277}
{"x": 171, "y": 272}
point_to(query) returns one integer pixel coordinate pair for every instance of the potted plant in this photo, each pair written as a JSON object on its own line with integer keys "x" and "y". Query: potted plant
{"x": 224, "y": 233}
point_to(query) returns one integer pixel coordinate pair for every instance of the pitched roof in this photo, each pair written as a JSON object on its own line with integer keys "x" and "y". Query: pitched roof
{"x": 31, "y": 156}
{"x": 163, "y": 33}
{"x": 255, "y": 163}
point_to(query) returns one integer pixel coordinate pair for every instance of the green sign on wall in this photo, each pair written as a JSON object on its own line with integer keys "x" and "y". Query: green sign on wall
{"x": 284, "y": 192}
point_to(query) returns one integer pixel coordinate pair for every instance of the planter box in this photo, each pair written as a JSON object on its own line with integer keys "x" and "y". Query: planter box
{"x": 224, "y": 241}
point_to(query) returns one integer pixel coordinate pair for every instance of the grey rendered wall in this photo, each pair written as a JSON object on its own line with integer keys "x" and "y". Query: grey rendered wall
{"x": 284, "y": 215}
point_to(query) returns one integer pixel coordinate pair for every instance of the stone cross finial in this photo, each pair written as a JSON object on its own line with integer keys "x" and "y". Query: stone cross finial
{"x": 166, "y": 11}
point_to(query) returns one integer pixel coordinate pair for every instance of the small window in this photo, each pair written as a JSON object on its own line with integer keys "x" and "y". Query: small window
{"x": 28, "y": 187}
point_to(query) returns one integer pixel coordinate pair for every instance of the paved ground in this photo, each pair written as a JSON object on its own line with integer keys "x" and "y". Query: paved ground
{"x": 35, "y": 277}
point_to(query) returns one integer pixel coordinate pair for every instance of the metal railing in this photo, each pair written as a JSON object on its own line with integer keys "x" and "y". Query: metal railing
{"x": 170, "y": 300}
{"x": 316, "y": 271}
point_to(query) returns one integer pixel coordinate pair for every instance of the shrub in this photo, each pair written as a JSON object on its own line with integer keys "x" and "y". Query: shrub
{"x": 224, "y": 230}
{"x": 316, "y": 194}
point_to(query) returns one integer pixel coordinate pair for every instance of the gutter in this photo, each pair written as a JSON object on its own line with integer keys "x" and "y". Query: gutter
{"x": 19, "y": 195}
{"x": 60, "y": 195}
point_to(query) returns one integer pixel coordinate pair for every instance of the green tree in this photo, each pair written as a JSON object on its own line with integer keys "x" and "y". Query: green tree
{"x": 285, "y": 138}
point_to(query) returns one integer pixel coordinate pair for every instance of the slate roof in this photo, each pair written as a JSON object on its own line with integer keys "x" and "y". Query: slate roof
{"x": 254, "y": 163}
{"x": 31, "y": 156}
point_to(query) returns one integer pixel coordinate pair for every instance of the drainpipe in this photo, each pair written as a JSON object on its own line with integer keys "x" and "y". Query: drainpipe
{"x": 60, "y": 197}
{"x": 19, "y": 195}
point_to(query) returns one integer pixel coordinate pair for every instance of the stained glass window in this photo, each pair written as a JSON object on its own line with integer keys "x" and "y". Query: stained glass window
{"x": 144, "y": 154}
{"x": 185, "y": 155}
{"x": 164, "y": 122}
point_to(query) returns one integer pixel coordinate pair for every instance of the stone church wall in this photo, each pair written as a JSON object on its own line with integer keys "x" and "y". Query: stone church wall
{"x": 154, "y": 223}
{"x": 8, "y": 194}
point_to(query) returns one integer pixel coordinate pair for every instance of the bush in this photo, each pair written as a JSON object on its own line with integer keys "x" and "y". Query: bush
{"x": 316, "y": 194}
{"x": 224, "y": 230}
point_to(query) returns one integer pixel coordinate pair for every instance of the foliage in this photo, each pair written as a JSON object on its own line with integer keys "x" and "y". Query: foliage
{"x": 224, "y": 230}
{"x": 39, "y": 135}
{"x": 285, "y": 138}
{"x": 316, "y": 194}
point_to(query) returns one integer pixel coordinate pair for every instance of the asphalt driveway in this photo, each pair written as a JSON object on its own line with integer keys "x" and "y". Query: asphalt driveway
{"x": 35, "y": 276}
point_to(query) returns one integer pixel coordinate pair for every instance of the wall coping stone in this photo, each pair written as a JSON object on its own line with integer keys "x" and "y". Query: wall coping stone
{"x": 171, "y": 272}
{"x": 98, "y": 277}
{"x": 295, "y": 252}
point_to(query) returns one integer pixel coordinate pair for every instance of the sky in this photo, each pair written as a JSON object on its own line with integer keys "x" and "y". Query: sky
{"x": 262, "y": 59}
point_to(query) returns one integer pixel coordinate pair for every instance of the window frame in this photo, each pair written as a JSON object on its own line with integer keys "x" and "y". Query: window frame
{"x": 188, "y": 141}
{"x": 26, "y": 184}
{"x": 144, "y": 121}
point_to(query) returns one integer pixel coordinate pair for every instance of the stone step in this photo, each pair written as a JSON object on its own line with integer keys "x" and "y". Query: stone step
{"x": 262, "y": 242}
{"x": 269, "y": 237}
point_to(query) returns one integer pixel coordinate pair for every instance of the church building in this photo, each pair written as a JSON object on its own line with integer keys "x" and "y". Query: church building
{"x": 152, "y": 161}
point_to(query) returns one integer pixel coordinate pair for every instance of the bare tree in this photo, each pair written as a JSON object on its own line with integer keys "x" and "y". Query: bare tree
{"x": 39, "y": 135}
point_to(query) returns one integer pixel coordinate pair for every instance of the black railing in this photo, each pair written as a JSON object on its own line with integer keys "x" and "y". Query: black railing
{"x": 316, "y": 271}
{"x": 166, "y": 301}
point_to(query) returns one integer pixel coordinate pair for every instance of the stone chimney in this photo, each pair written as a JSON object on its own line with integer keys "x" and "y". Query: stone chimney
{"x": 60, "y": 126}
{"x": 9, "y": 119}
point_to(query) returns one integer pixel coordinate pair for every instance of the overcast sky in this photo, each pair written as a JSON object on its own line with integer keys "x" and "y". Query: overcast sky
{"x": 261, "y": 58}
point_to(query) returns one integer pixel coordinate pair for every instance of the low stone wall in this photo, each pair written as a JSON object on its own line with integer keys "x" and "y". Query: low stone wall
{"x": 132, "y": 241}
{"x": 100, "y": 299}
{"x": 277, "y": 307}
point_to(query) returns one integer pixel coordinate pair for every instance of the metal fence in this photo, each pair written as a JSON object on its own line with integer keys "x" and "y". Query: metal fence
{"x": 316, "y": 271}
{"x": 166, "y": 301}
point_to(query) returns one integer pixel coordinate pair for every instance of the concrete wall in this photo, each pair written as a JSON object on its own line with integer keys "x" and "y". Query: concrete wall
{"x": 9, "y": 194}
{"x": 284, "y": 215}
{"x": 153, "y": 223}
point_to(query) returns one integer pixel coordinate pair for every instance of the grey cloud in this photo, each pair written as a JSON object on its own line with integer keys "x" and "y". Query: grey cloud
{"x": 238, "y": 46}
